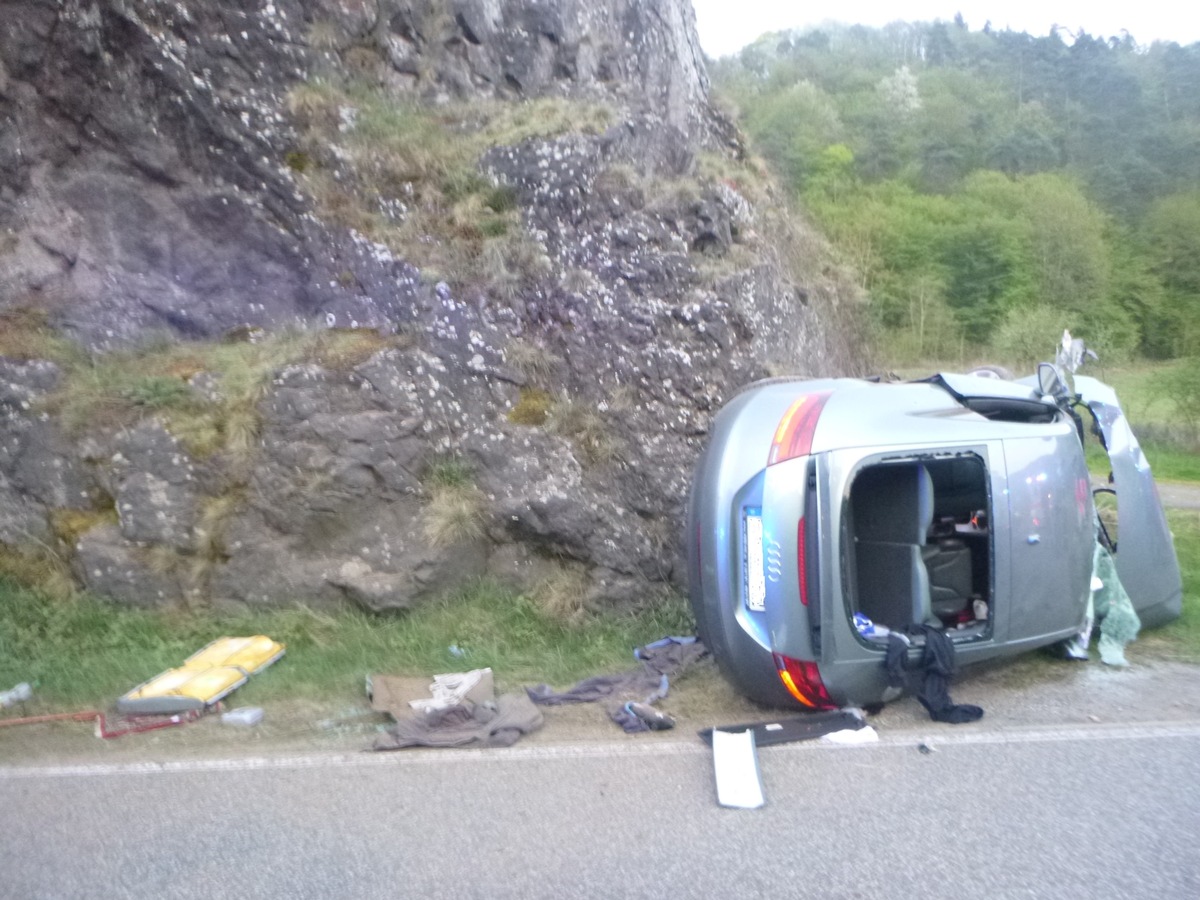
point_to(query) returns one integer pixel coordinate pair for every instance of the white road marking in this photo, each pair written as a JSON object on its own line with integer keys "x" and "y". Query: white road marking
{"x": 940, "y": 739}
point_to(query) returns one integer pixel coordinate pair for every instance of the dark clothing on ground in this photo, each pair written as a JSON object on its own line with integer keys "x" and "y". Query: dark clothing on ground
{"x": 937, "y": 664}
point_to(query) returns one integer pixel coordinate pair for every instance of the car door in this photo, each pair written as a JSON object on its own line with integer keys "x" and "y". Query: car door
{"x": 1146, "y": 561}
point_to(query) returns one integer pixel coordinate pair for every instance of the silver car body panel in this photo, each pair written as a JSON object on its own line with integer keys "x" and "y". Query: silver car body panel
{"x": 1146, "y": 562}
{"x": 1038, "y": 544}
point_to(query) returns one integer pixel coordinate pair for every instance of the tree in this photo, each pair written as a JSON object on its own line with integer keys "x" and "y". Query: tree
{"x": 1172, "y": 244}
{"x": 1065, "y": 251}
{"x": 900, "y": 93}
{"x": 791, "y": 128}
{"x": 987, "y": 273}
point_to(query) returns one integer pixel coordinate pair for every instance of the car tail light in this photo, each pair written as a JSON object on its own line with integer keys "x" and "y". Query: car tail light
{"x": 794, "y": 434}
{"x": 803, "y": 682}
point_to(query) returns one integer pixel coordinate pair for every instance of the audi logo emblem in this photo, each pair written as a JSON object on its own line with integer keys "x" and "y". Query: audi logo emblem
{"x": 774, "y": 562}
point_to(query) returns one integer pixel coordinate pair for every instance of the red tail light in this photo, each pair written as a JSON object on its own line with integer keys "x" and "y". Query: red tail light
{"x": 803, "y": 682}
{"x": 794, "y": 434}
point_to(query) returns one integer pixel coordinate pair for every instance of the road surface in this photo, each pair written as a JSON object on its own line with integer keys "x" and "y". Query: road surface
{"x": 1075, "y": 811}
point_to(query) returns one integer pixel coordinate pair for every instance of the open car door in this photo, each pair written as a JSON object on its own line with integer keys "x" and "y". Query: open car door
{"x": 1146, "y": 562}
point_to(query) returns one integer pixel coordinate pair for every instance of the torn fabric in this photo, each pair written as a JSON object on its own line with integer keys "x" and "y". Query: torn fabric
{"x": 499, "y": 724}
{"x": 646, "y": 684}
{"x": 1119, "y": 622}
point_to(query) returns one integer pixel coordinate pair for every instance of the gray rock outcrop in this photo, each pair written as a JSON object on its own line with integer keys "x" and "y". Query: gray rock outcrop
{"x": 157, "y": 179}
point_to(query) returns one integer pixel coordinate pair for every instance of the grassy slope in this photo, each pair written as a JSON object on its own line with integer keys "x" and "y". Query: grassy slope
{"x": 82, "y": 652}
{"x": 1180, "y": 640}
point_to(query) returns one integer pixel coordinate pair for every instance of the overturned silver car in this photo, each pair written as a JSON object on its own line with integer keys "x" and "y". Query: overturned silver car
{"x": 959, "y": 502}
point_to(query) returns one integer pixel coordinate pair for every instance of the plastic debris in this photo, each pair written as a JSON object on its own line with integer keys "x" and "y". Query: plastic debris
{"x": 869, "y": 629}
{"x": 795, "y": 728}
{"x": 15, "y": 695}
{"x": 735, "y": 762}
{"x": 205, "y": 677}
{"x": 246, "y": 716}
{"x": 453, "y": 688}
{"x": 864, "y": 735}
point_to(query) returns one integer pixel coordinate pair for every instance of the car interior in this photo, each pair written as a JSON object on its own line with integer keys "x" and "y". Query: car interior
{"x": 920, "y": 544}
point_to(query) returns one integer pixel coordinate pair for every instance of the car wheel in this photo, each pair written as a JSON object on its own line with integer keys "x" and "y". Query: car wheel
{"x": 1105, "y": 499}
{"x": 991, "y": 371}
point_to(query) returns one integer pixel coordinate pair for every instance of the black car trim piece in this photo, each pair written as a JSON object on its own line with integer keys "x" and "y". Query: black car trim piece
{"x": 999, "y": 409}
{"x": 812, "y": 556}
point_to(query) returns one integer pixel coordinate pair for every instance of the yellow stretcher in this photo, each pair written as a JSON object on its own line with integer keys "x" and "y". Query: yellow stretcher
{"x": 204, "y": 678}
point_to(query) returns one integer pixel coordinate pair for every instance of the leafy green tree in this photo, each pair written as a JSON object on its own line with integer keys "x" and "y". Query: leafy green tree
{"x": 1171, "y": 236}
{"x": 1138, "y": 292}
{"x": 974, "y": 178}
{"x": 1030, "y": 143}
{"x": 987, "y": 273}
{"x": 792, "y": 127}
{"x": 832, "y": 173}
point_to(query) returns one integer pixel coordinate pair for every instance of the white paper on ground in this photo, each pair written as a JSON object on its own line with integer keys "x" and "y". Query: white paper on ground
{"x": 452, "y": 688}
{"x": 735, "y": 761}
{"x": 864, "y": 735}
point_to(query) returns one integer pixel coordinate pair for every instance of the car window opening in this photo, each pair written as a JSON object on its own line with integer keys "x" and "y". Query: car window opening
{"x": 921, "y": 545}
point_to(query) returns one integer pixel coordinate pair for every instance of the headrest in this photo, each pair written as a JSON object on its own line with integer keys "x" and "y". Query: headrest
{"x": 893, "y": 503}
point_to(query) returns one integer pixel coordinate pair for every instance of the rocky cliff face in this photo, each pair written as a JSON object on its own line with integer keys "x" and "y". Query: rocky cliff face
{"x": 527, "y": 259}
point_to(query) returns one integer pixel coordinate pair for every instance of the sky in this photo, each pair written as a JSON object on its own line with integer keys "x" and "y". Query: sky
{"x": 726, "y": 26}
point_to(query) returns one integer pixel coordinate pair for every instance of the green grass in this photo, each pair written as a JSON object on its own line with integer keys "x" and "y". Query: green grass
{"x": 1171, "y": 463}
{"x": 123, "y": 387}
{"x": 1169, "y": 442}
{"x": 82, "y": 653}
{"x": 408, "y": 176}
{"x": 1180, "y": 640}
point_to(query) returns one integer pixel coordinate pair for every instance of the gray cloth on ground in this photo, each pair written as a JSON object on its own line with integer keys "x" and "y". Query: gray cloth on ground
{"x": 645, "y": 684}
{"x": 466, "y": 725}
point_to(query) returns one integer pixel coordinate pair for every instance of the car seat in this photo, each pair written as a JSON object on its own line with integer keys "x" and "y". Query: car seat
{"x": 948, "y": 561}
{"x": 892, "y": 508}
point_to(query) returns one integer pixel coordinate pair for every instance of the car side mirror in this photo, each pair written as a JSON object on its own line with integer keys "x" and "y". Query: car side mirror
{"x": 1049, "y": 383}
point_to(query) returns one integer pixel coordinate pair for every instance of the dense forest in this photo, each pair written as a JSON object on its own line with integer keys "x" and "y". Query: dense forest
{"x": 992, "y": 187}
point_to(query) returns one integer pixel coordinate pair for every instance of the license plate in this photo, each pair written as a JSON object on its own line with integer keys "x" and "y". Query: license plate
{"x": 755, "y": 579}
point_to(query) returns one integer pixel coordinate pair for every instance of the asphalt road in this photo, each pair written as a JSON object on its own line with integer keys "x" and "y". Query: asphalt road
{"x": 1080, "y": 811}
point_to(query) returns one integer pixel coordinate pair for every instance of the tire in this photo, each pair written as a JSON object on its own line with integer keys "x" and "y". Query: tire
{"x": 1105, "y": 499}
{"x": 991, "y": 371}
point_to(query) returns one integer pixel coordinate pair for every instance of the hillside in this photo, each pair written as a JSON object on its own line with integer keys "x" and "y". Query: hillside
{"x": 326, "y": 302}
{"x": 992, "y": 187}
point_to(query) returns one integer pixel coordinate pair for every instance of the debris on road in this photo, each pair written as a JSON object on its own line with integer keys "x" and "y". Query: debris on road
{"x": 119, "y": 727}
{"x": 18, "y": 694}
{"x": 461, "y": 710}
{"x": 205, "y": 678}
{"x": 803, "y": 727}
{"x": 245, "y": 716}
{"x": 660, "y": 661}
{"x": 735, "y": 763}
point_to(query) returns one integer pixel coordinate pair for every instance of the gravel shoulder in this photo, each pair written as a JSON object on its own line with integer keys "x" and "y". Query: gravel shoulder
{"x": 1179, "y": 495}
{"x": 1030, "y": 692}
